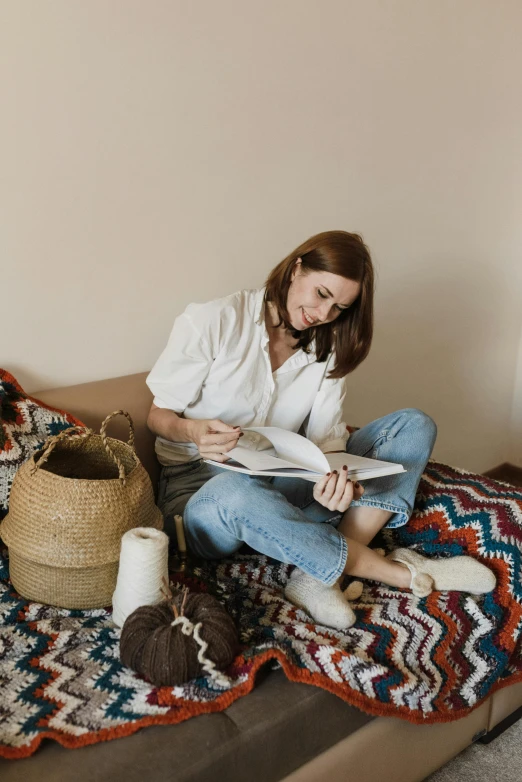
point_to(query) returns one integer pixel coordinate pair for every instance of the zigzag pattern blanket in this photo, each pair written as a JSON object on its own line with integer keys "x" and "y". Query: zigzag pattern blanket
{"x": 25, "y": 424}
{"x": 425, "y": 660}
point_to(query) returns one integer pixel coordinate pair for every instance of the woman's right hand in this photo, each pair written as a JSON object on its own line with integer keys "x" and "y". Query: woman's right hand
{"x": 214, "y": 438}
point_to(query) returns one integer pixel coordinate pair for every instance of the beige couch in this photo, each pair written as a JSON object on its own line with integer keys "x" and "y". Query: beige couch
{"x": 282, "y": 730}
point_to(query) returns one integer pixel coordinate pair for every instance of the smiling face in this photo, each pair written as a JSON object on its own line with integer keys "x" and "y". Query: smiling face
{"x": 315, "y": 298}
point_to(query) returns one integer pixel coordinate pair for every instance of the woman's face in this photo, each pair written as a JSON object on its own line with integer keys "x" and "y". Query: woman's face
{"x": 318, "y": 297}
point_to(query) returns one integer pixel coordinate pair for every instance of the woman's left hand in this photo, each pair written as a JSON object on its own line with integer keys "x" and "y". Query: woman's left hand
{"x": 336, "y": 491}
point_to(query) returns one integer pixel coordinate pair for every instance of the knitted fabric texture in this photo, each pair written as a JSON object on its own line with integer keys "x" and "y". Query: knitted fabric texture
{"x": 424, "y": 660}
{"x": 153, "y": 645}
{"x": 462, "y": 574}
{"x": 325, "y": 604}
{"x": 25, "y": 424}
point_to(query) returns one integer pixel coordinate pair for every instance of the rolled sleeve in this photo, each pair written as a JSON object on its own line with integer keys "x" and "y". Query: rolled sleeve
{"x": 326, "y": 427}
{"x": 178, "y": 375}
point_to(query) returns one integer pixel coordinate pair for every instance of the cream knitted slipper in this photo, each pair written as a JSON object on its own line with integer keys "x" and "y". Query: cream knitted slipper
{"x": 353, "y": 591}
{"x": 462, "y": 574}
{"x": 325, "y": 604}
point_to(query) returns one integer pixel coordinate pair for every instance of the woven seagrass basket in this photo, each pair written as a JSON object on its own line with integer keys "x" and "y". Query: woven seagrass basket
{"x": 70, "y": 505}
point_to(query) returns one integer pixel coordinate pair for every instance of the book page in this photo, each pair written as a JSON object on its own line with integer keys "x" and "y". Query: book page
{"x": 287, "y": 472}
{"x": 293, "y": 448}
{"x": 359, "y": 463}
{"x": 291, "y": 472}
{"x": 259, "y": 460}
{"x": 293, "y": 452}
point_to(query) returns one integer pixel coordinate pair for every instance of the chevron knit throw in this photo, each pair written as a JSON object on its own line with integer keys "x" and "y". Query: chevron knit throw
{"x": 425, "y": 660}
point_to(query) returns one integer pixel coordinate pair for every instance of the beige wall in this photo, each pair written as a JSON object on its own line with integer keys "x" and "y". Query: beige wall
{"x": 514, "y": 454}
{"x": 157, "y": 153}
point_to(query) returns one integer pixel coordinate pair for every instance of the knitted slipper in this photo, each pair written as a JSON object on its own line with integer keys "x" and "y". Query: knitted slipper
{"x": 353, "y": 591}
{"x": 462, "y": 574}
{"x": 325, "y": 604}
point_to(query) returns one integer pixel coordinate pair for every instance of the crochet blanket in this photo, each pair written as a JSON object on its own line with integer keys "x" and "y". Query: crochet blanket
{"x": 424, "y": 660}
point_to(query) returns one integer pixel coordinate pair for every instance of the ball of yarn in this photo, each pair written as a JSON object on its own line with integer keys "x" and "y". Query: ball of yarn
{"x": 166, "y": 655}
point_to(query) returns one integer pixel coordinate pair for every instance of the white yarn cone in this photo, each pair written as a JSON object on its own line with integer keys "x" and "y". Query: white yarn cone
{"x": 143, "y": 566}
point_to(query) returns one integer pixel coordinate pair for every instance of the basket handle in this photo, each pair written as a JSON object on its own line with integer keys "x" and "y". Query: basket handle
{"x": 73, "y": 432}
{"x": 103, "y": 434}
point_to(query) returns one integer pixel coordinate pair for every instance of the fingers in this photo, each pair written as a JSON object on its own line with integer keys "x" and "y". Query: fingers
{"x": 225, "y": 442}
{"x": 320, "y": 485}
{"x": 325, "y": 487}
{"x": 336, "y": 491}
{"x": 222, "y": 435}
{"x": 336, "y": 487}
{"x": 216, "y": 439}
{"x": 330, "y": 489}
{"x": 210, "y": 450}
{"x": 216, "y": 457}
{"x": 343, "y": 494}
{"x": 319, "y": 489}
{"x": 217, "y": 425}
{"x": 358, "y": 490}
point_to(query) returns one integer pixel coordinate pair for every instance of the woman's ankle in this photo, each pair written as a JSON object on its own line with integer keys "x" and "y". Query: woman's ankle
{"x": 362, "y": 562}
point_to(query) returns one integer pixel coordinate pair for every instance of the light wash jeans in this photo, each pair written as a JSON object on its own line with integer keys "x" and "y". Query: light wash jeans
{"x": 278, "y": 516}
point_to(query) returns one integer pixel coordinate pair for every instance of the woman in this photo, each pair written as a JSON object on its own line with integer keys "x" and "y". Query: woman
{"x": 278, "y": 357}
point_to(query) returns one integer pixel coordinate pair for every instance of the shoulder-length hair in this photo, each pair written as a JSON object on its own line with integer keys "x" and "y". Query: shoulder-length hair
{"x": 349, "y": 336}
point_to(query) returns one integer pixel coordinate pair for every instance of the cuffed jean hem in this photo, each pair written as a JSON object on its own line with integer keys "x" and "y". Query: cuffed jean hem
{"x": 330, "y": 578}
{"x": 336, "y": 575}
{"x": 400, "y": 517}
{"x": 213, "y": 530}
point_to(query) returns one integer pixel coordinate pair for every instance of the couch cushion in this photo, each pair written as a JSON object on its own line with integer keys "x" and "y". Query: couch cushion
{"x": 276, "y": 729}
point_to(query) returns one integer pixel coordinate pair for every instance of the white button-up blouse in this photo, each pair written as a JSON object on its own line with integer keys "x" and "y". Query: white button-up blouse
{"x": 217, "y": 365}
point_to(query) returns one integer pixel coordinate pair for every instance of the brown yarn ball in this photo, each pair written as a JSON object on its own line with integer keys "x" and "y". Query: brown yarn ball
{"x": 164, "y": 654}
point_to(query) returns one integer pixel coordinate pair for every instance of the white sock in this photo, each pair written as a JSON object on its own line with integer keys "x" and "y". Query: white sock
{"x": 325, "y": 604}
{"x": 463, "y": 574}
{"x": 354, "y": 590}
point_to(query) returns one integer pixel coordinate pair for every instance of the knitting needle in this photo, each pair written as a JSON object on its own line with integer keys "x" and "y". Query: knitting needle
{"x": 182, "y": 545}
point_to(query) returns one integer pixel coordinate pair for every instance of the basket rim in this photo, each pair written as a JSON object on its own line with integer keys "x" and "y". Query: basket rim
{"x": 42, "y": 471}
{"x": 90, "y": 481}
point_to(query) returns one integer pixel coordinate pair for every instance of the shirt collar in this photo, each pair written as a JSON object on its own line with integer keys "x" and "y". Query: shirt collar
{"x": 299, "y": 359}
{"x": 259, "y": 318}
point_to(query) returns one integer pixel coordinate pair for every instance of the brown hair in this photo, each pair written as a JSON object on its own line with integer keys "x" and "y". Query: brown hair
{"x": 350, "y": 334}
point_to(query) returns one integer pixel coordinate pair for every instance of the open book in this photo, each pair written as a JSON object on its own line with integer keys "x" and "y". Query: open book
{"x": 293, "y": 456}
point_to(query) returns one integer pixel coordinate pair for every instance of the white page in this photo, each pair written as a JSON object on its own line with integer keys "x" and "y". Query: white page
{"x": 358, "y": 463}
{"x": 289, "y": 472}
{"x": 294, "y": 448}
{"x": 355, "y": 475}
{"x": 307, "y": 456}
{"x": 259, "y": 460}
{"x": 362, "y": 475}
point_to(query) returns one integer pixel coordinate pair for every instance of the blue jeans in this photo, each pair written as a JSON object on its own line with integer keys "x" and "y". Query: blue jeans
{"x": 279, "y": 516}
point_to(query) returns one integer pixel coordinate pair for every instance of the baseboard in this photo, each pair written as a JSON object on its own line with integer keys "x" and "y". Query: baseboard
{"x": 506, "y": 472}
